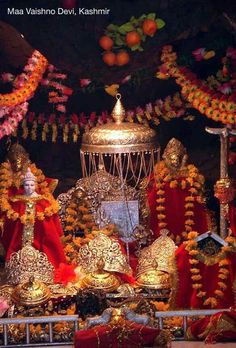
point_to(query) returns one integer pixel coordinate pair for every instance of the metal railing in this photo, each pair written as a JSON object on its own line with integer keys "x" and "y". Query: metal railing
{"x": 185, "y": 314}
{"x": 27, "y": 321}
{"x": 36, "y": 320}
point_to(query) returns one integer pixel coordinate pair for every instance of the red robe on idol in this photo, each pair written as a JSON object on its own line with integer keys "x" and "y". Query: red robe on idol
{"x": 47, "y": 232}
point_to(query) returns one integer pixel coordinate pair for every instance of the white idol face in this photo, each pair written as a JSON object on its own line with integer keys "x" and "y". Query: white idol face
{"x": 29, "y": 187}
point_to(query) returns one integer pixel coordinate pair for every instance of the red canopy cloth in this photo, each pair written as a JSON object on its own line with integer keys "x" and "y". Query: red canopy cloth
{"x": 128, "y": 335}
{"x": 175, "y": 211}
{"x": 184, "y": 296}
{"x": 47, "y": 233}
{"x": 220, "y": 327}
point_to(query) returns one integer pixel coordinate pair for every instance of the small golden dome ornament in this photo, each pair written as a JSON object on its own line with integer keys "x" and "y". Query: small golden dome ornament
{"x": 120, "y": 141}
{"x": 154, "y": 264}
{"x": 31, "y": 293}
{"x": 100, "y": 280}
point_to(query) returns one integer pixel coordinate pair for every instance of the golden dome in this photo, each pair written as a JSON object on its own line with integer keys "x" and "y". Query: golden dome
{"x": 154, "y": 279}
{"x": 119, "y": 136}
{"x": 100, "y": 279}
{"x": 31, "y": 293}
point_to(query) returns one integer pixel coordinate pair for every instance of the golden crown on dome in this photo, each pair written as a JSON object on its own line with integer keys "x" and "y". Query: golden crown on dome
{"x": 119, "y": 136}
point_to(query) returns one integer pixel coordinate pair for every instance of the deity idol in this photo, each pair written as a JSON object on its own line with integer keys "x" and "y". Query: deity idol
{"x": 175, "y": 195}
{"x": 31, "y": 218}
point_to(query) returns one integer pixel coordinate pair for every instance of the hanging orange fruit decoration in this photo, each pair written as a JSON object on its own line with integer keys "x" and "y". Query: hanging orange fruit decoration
{"x": 106, "y": 42}
{"x": 133, "y": 38}
{"x": 149, "y": 27}
{"x": 122, "y": 58}
{"x": 129, "y": 35}
{"x": 109, "y": 58}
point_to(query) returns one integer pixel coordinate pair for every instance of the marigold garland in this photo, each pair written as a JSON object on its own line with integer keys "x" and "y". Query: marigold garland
{"x": 191, "y": 180}
{"x": 7, "y": 180}
{"x": 211, "y": 103}
{"x": 27, "y": 82}
{"x": 223, "y": 272}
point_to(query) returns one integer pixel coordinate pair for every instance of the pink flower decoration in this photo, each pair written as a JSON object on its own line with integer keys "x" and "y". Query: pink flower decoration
{"x": 130, "y": 113}
{"x": 41, "y": 118}
{"x": 231, "y": 52}
{"x": 225, "y": 88}
{"x": 180, "y": 112}
{"x": 74, "y": 119}
{"x": 126, "y": 79}
{"x": 139, "y": 110}
{"x": 82, "y": 119}
{"x": 51, "y": 68}
{"x": 52, "y": 118}
{"x": 104, "y": 116}
{"x": 62, "y": 119}
{"x": 7, "y": 77}
{"x": 44, "y": 82}
{"x": 149, "y": 107}
{"x": 29, "y": 67}
{"x": 31, "y": 116}
{"x": 84, "y": 82}
{"x": 199, "y": 54}
{"x": 61, "y": 108}
{"x": 92, "y": 117}
{"x": 163, "y": 69}
{"x": 67, "y": 91}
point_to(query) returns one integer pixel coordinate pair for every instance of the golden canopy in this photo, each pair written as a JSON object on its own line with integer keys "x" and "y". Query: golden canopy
{"x": 130, "y": 147}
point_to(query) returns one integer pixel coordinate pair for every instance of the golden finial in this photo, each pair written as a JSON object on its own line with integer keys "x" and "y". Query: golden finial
{"x": 118, "y": 112}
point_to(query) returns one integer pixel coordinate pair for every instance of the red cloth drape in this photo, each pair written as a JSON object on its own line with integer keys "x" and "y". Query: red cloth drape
{"x": 133, "y": 336}
{"x": 232, "y": 218}
{"x": 217, "y": 328}
{"x": 46, "y": 233}
{"x": 133, "y": 259}
{"x": 184, "y": 296}
{"x": 175, "y": 210}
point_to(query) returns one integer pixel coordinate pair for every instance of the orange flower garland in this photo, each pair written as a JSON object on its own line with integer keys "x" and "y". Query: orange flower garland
{"x": 188, "y": 178}
{"x": 7, "y": 180}
{"x": 212, "y": 104}
{"x": 223, "y": 273}
{"x": 25, "y": 91}
{"x": 78, "y": 217}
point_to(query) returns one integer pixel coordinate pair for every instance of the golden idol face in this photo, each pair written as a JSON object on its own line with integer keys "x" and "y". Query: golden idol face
{"x": 174, "y": 161}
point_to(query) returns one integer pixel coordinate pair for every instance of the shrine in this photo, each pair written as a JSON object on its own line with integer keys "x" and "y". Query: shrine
{"x": 117, "y": 173}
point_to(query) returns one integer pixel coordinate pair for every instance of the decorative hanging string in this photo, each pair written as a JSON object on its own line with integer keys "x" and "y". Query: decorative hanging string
{"x": 69, "y": 128}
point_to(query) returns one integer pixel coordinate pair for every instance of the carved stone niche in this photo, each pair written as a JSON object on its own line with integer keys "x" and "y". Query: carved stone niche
{"x": 110, "y": 201}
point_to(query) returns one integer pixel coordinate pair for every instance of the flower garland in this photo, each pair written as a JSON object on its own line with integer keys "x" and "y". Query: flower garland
{"x": 13, "y": 115}
{"x": 211, "y": 103}
{"x": 70, "y": 127}
{"x": 223, "y": 272}
{"x": 7, "y": 180}
{"x": 14, "y": 105}
{"x": 79, "y": 218}
{"x": 26, "y": 83}
{"x": 187, "y": 178}
{"x": 60, "y": 93}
